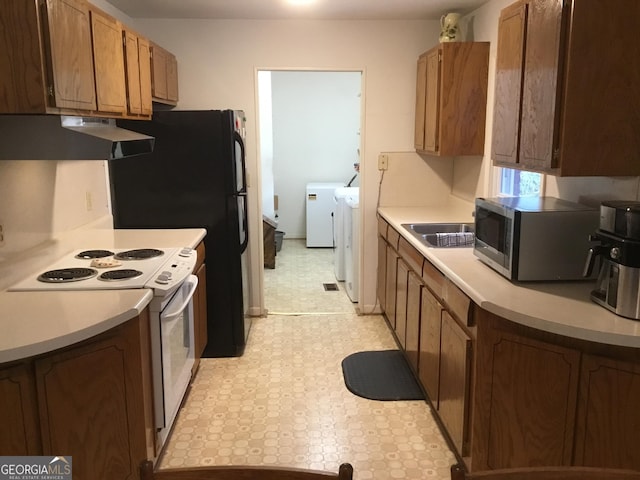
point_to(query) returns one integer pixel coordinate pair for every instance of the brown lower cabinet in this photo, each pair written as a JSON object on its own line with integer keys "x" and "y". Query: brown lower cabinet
{"x": 402, "y": 286}
{"x": 20, "y": 433}
{"x": 455, "y": 370}
{"x": 508, "y": 395}
{"x": 200, "y": 333}
{"x": 412, "y": 330}
{"x": 429, "y": 346}
{"x": 92, "y": 401}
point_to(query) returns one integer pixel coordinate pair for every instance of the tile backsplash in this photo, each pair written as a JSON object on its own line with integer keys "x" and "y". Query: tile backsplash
{"x": 39, "y": 199}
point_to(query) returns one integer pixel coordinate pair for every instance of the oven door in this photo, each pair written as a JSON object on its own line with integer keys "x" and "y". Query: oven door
{"x": 177, "y": 351}
{"x": 494, "y": 236}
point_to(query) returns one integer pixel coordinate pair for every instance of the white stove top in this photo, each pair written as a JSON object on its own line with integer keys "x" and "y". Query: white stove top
{"x": 160, "y": 273}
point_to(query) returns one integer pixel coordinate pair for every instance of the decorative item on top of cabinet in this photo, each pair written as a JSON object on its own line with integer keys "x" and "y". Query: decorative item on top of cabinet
{"x": 565, "y": 97}
{"x": 138, "y": 71}
{"x": 164, "y": 79}
{"x": 451, "y": 99}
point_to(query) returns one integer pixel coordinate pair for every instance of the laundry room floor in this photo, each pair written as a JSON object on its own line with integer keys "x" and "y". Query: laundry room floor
{"x": 284, "y": 401}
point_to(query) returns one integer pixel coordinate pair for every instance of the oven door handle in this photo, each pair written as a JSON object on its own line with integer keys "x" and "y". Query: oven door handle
{"x": 173, "y": 311}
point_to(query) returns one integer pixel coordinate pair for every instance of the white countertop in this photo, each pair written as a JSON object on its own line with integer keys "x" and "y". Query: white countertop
{"x": 38, "y": 322}
{"x": 563, "y": 308}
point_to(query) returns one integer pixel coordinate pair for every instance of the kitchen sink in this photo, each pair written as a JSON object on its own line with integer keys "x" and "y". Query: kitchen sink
{"x": 442, "y": 235}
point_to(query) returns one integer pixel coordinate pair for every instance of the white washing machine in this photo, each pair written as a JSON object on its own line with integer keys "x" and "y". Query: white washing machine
{"x": 339, "y": 232}
{"x": 352, "y": 249}
{"x": 320, "y": 213}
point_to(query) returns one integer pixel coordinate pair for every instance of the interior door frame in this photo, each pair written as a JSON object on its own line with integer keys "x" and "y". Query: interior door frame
{"x": 261, "y": 309}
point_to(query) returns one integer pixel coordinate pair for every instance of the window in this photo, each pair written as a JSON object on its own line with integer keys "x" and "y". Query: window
{"x": 518, "y": 183}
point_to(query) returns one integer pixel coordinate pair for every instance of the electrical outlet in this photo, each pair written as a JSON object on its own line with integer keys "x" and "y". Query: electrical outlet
{"x": 88, "y": 200}
{"x": 1, "y": 235}
{"x": 383, "y": 161}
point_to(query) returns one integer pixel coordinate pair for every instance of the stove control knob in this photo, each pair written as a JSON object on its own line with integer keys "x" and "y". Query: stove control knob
{"x": 615, "y": 253}
{"x": 163, "y": 279}
{"x": 186, "y": 252}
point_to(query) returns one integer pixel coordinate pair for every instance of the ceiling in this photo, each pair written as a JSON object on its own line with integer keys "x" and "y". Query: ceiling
{"x": 281, "y": 9}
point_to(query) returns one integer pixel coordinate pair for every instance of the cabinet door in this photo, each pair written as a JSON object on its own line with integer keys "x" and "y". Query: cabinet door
{"x": 412, "y": 342}
{"x": 144, "y": 59}
{"x": 20, "y": 433}
{"x": 390, "y": 285}
{"x": 108, "y": 57}
{"x": 70, "y": 54}
{"x": 421, "y": 85}
{"x": 525, "y": 399}
{"x": 608, "y": 421}
{"x": 172, "y": 78}
{"x": 508, "y": 84}
{"x": 138, "y": 74}
{"x": 429, "y": 359}
{"x": 381, "y": 289}
{"x": 132, "y": 54}
{"x": 159, "y": 58}
{"x": 402, "y": 285}
{"x": 541, "y": 85}
{"x": 455, "y": 367}
{"x": 98, "y": 419}
{"x": 432, "y": 101}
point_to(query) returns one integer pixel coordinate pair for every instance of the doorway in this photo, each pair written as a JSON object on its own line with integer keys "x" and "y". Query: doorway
{"x": 309, "y": 131}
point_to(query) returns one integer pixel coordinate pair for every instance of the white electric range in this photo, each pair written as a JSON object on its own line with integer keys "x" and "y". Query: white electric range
{"x": 169, "y": 273}
{"x": 161, "y": 269}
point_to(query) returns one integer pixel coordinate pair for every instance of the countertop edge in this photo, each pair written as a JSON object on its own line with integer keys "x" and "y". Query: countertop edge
{"x": 69, "y": 338}
{"x": 71, "y": 319}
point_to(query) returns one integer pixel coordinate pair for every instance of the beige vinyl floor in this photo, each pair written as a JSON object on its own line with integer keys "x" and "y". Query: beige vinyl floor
{"x": 284, "y": 401}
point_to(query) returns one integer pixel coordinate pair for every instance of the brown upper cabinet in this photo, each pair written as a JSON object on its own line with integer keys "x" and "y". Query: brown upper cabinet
{"x": 451, "y": 99}
{"x": 108, "y": 61}
{"x": 68, "y": 57}
{"x": 138, "y": 68}
{"x": 164, "y": 81}
{"x": 566, "y": 101}
{"x": 47, "y": 60}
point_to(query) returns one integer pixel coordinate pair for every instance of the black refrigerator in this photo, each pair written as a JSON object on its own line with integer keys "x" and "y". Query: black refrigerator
{"x": 195, "y": 178}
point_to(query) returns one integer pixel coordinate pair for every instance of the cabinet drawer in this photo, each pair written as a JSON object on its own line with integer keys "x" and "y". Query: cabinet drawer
{"x": 433, "y": 278}
{"x": 457, "y": 302}
{"x": 393, "y": 237}
{"x": 412, "y": 256}
{"x": 382, "y": 227}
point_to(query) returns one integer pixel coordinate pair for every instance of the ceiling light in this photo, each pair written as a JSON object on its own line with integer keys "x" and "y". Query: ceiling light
{"x": 300, "y": 2}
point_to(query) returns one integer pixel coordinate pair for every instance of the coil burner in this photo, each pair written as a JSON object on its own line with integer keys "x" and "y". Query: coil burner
{"x": 64, "y": 275}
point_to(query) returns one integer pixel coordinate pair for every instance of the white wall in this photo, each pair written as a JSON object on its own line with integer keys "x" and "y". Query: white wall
{"x": 217, "y": 65}
{"x": 316, "y": 123}
{"x": 40, "y": 199}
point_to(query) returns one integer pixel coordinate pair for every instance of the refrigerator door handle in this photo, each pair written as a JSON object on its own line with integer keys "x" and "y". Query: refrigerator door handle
{"x": 238, "y": 139}
{"x": 245, "y": 223}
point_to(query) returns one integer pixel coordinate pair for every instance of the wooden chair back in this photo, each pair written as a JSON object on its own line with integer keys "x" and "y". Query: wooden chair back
{"x": 345, "y": 472}
{"x": 546, "y": 473}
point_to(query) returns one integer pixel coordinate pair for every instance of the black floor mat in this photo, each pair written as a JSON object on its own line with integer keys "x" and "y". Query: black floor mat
{"x": 380, "y": 375}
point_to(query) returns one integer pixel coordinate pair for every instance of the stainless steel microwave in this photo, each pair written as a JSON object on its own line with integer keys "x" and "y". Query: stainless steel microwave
{"x": 534, "y": 238}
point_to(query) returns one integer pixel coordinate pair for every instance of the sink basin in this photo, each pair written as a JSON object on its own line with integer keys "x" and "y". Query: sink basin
{"x": 442, "y": 235}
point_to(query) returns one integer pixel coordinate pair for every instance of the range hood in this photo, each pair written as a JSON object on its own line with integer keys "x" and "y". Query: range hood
{"x": 53, "y": 137}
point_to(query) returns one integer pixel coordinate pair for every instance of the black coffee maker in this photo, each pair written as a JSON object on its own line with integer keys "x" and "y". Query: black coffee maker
{"x": 618, "y": 285}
